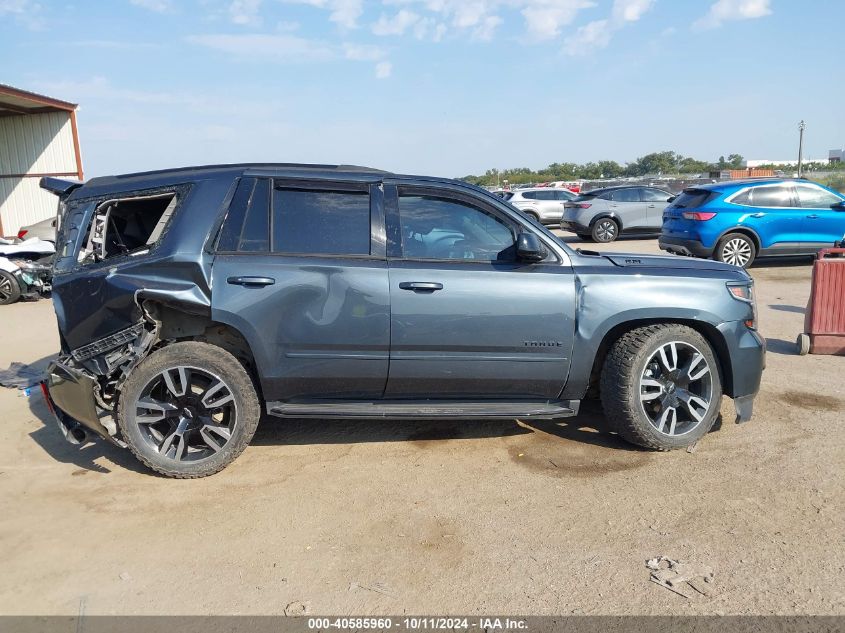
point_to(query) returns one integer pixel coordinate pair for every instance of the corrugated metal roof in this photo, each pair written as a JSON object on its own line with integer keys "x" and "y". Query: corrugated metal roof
{"x": 14, "y": 102}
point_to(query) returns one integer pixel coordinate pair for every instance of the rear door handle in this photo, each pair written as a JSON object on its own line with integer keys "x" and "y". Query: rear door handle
{"x": 425, "y": 286}
{"x": 251, "y": 281}
{"x": 812, "y": 217}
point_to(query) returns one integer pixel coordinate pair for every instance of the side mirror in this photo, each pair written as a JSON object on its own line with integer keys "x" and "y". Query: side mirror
{"x": 671, "y": 198}
{"x": 529, "y": 248}
{"x": 838, "y": 206}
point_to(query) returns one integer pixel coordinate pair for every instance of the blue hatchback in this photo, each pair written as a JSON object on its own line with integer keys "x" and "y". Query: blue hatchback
{"x": 738, "y": 221}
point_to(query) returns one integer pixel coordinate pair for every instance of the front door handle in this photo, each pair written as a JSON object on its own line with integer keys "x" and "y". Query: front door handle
{"x": 251, "y": 281}
{"x": 758, "y": 215}
{"x": 812, "y": 217}
{"x": 651, "y": 206}
{"x": 423, "y": 286}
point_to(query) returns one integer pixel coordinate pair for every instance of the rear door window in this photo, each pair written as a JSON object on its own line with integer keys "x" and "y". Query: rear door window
{"x": 653, "y": 195}
{"x": 317, "y": 221}
{"x": 771, "y": 196}
{"x": 626, "y": 195}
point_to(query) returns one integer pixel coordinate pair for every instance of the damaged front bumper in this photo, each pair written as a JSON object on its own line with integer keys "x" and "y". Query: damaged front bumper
{"x": 70, "y": 395}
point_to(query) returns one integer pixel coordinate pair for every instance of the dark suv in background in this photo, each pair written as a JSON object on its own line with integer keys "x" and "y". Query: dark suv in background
{"x": 191, "y": 301}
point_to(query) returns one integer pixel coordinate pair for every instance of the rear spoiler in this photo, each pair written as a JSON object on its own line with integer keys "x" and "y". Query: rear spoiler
{"x": 59, "y": 186}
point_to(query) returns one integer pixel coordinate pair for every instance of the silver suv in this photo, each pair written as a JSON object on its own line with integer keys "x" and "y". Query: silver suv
{"x": 603, "y": 214}
{"x": 544, "y": 204}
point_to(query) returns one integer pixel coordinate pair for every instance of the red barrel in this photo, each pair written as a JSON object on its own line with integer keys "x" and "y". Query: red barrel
{"x": 824, "y": 320}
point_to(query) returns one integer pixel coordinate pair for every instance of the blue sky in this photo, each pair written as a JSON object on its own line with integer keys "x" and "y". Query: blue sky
{"x": 442, "y": 87}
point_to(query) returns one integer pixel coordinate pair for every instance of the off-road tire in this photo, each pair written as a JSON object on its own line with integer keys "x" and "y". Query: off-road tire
{"x": 203, "y": 356}
{"x": 620, "y": 380}
{"x": 13, "y": 288}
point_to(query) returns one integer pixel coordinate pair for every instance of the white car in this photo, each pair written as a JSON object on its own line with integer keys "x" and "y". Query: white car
{"x": 25, "y": 269}
{"x": 544, "y": 204}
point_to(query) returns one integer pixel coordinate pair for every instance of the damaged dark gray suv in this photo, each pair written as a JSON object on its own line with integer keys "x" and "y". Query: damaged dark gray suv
{"x": 191, "y": 302}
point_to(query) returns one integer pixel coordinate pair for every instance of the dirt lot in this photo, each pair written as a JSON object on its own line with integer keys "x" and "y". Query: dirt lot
{"x": 399, "y": 517}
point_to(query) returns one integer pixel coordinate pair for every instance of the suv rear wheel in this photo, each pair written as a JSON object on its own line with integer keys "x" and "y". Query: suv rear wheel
{"x": 660, "y": 386}
{"x": 188, "y": 410}
{"x": 737, "y": 249}
{"x": 605, "y": 230}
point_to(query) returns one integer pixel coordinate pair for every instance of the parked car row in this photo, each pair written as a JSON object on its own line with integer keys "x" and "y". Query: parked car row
{"x": 734, "y": 222}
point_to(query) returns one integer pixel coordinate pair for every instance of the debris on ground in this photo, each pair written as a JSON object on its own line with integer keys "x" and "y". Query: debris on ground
{"x": 683, "y": 579}
{"x": 20, "y": 376}
{"x": 376, "y": 587}
{"x": 296, "y": 608}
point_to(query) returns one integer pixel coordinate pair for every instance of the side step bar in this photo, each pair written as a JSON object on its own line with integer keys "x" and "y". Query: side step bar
{"x": 425, "y": 409}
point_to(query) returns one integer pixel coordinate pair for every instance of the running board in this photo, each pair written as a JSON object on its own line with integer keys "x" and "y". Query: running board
{"x": 425, "y": 409}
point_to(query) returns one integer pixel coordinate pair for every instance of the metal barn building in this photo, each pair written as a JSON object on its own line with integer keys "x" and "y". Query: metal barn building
{"x": 38, "y": 137}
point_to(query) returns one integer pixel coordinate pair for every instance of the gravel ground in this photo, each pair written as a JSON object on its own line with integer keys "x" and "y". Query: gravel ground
{"x": 386, "y": 517}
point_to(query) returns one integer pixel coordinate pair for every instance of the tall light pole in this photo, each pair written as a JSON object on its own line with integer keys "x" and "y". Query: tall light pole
{"x": 801, "y": 127}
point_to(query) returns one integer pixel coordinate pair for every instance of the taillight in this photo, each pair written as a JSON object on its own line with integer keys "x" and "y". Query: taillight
{"x": 577, "y": 205}
{"x": 699, "y": 216}
{"x": 21, "y": 233}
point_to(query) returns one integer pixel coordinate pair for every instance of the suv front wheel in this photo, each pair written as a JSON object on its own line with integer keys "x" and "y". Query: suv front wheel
{"x": 660, "y": 386}
{"x": 188, "y": 410}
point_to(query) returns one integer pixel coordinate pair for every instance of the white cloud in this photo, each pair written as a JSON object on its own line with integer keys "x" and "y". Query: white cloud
{"x": 597, "y": 34}
{"x": 245, "y": 12}
{"x": 24, "y": 12}
{"x": 363, "y": 52}
{"x": 544, "y": 20}
{"x": 396, "y": 25}
{"x": 731, "y": 10}
{"x": 588, "y": 38}
{"x": 13, "y": 6}
{"x": 383, "y": 70}
{"x": 289, "y": 49}
{"x": 487, "y": 28}
{"x": 159, "y": 6}
{"x": 630, "y": 10}
{"x": 278, "y": 48}
{"x": 344, "y": 13}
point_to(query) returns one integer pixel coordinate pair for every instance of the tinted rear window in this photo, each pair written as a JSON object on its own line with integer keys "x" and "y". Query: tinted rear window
{"x": 321, "y": 222}
{"x": 247, "y": 225}
{"x": 586, "y": 196}
{"x": 774, "y": 196}
{"x": 693, "y": 198}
